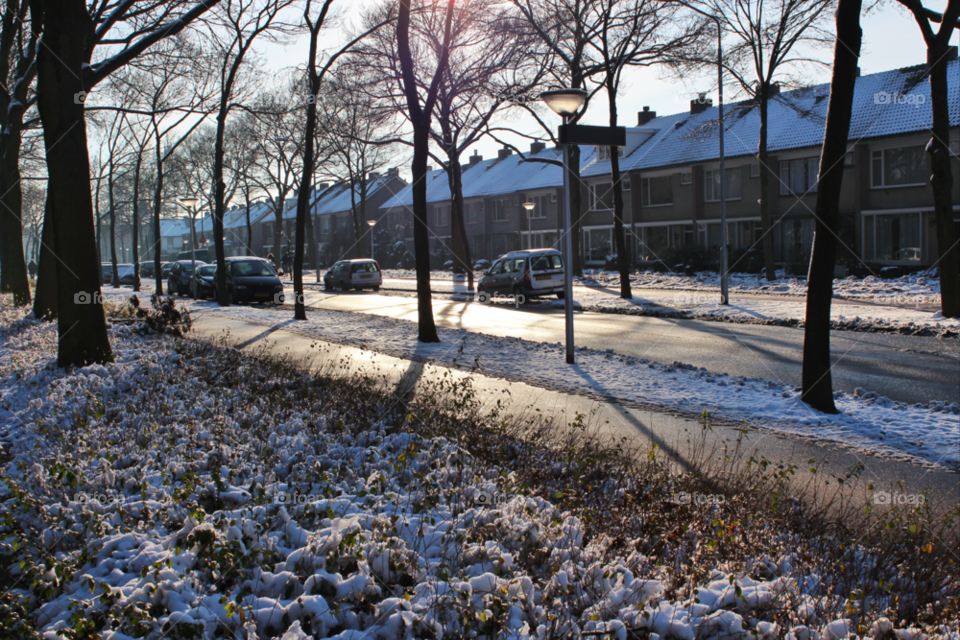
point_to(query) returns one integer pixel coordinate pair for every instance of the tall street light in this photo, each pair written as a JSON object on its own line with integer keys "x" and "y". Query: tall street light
{"x": 566, "y": 103}
{"x": 529, "y": 206}
{"x": 371, "y": 223}
{"x": 189, "y": 202}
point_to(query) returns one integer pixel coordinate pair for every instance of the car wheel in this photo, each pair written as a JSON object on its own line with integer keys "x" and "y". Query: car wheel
{"x": 230, "y": 299}
{"x": 561, "y": 296}
{"x": 518, "y": 296}
{"x": 344, "y": 287}
{"x": 375, "y": 289}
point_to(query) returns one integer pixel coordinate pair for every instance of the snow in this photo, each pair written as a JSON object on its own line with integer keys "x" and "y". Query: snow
{"x": 191, "y": 449}
{"x": 868, "y": 423}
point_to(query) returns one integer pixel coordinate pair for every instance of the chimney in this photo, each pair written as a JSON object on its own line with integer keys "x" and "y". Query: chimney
{"x": 475, "y": 158}
{"x": 701, "y": 104}
{"x": 536, "y": 147}
{"x": 774, "y": 89}
{"x": 395, "y": 172}
{"x": 373, "y": 176}
{"x": 429, "y": 169}
{"x": 504, "y": 153}
{"x": 645, "y": 116}
{"x": 323, "y": 186}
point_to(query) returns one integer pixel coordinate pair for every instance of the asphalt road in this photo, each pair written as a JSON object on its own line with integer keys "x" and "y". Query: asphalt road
{"x": 903, "y": 368}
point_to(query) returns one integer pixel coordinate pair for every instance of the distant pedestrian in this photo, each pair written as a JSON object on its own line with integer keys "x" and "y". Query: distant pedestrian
{"x": 287, "y": 262}
{"x": 32, "y": 269}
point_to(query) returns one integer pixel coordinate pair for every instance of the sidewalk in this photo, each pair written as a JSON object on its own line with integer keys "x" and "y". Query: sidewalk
{"x": 674, "y": 435}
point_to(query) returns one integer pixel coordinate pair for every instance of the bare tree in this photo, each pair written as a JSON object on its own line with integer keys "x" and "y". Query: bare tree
{"x": 18, "y": 48}
{"x": 421, "y": 98}
{"x": 816, "y": 379}
{"x": 238, "y": 24}
{"x": 623, "y": 34}
{"x": 772, "y": 43}
{"x": 66, "y": 72}
{"x": 938, "y": 46}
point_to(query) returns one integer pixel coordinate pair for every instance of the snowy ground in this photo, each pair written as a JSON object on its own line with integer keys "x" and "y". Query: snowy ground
{"x": 871, "y": 424}
{"x": 187, "y": 492}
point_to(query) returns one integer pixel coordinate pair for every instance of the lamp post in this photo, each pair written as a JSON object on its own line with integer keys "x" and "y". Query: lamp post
{"x": 189, "y": 202}
{"x": 566, "y": 103}
{"x": 371, "y": 223}
{"x": 529, "y": 206}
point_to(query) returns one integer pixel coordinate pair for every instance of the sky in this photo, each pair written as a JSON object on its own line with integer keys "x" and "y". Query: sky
{"x": 891, "y": 40}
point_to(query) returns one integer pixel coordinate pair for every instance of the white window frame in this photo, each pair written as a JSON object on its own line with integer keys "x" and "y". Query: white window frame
{"x": 883, "y": 161}
{"x": 593, "y": 195}
{"x": 686, "y": 177}
{"x": 500, "y": 207}
{"x": 466, "y": 208}
{"x": 625, "y": 184}
{"x": 441, "y": 215}
{"x": 755, "y": 170}
{"x": 553, "y": 197}
{"x": 785, "y": 189}
{"x": 540, "y": 210}
{"x": 708, "y": 180}
{"x": 645, "y": 192}
{"x": 603, "y": 152}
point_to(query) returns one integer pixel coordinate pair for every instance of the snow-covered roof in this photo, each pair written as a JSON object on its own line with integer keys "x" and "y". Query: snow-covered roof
{"x": 336, "y": 199}
{"x": 174, "y": 227}
{"x": 887, "y": 103}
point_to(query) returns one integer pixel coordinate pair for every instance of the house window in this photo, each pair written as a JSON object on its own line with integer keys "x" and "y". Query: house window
{"x": 597, "y": 244}
{"x": 653, "y": 241}
{"x": 537, "y": 239}
{"x": 657, "y": 191}
{"x": 711, "y": 183}
{"x": 325, "y": 224}
{"x": 500, "y": 211}
{"x": 799, "y": 177}
{"x": 686, "y": 178}
{"x": 892, "y": 238}
{"x": 626, "y": 183}
{"x": 603, "y": 153}
{"x": 333, "y": 223}
{"x": 540, "y": 210}
{"x": 601, "y": 196}
{"x": 472, "y": 212}
{"x": 441, "y": 215}
{"x": 900, "y": 167}
{"x": 755, "y": 170}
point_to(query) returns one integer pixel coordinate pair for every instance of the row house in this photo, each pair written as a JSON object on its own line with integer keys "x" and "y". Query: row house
{"x": 671, "y": 181}
{"x": 331, "y": 207}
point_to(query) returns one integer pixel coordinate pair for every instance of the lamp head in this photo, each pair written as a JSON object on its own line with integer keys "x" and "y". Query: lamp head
{"x": 564, "y": 102}
{"x": 371, "y": 222}
{"x": 189, "y": 201}
{"x": 529, "y": 206}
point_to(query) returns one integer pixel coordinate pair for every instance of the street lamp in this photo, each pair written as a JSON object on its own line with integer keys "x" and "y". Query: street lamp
{"x": 529, "y": 206}
{"x": 371, "y": 223}
{"x": 566, "y": 103}
{"x": 190, "y": 202}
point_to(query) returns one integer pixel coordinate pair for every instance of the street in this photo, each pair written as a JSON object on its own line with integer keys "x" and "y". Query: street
{"x": 903, "y": 368}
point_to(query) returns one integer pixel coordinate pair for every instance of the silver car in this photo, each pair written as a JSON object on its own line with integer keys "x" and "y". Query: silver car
{"x": 353, "y": 274}
{"x": 523, "y": 274}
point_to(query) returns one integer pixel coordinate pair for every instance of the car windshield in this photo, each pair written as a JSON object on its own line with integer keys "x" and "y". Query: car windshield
{"x": 251, "y": 268}
{"x": 546, "y": 262}
{"x": 207, "y": 270}
{"x": 187, "y": 267}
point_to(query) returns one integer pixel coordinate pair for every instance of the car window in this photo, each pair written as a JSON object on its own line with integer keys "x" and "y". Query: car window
{"x": 207, "y": 270}
{"x": 518, "y": 264}
{"x": 546, "y": 262}
{"x": 496, "y": 268}
{"x": 366, "y": 267}
{"x": 251, "y": 268}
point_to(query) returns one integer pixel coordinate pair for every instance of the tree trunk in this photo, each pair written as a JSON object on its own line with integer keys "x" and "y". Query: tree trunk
{"x": 13, "y": 267}
{"x": 763, "y": 157}
{"x": 82, "y": 327}
{"x": 458, "y": 230}
{"x": 942, "y": 180}
{"x": 115, "y": 280}
{"x": 136, "y": 226}
{"x": 45, "y": 299}
{"x": 157, "y": 207}
{"x": 421, "y": 234}
{"x": 817, "y": 380}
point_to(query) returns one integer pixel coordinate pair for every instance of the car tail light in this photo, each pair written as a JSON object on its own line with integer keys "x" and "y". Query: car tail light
{"x": 526, "y": 275}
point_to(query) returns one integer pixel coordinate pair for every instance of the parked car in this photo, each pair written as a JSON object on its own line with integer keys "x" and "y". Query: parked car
{"x": 206, "y": 281}
{"x": 252, "y": 279}
{"x": 353, "y": 274}
{"x": 201, "y": 255}
{"x": 529, "y": 273}
{"x": 178, "y": 284}
{"x": 124, "y": 271}
{"x": 146, "y": 269}
{"x": 165, "y": 269}
{"x": 106, "y": 272}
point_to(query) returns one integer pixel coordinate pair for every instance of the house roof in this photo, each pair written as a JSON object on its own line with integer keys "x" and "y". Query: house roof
{"x": 885, "y": 104}
{"x": 173, "y": 227}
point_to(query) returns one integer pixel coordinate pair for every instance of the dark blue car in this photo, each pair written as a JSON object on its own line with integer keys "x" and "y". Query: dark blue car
{"x": 178, "y": 284}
